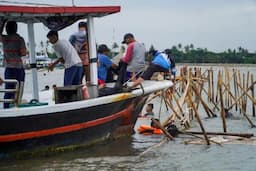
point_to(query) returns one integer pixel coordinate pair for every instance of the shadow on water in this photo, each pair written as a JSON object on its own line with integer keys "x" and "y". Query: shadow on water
{"x": 121, "y": 154}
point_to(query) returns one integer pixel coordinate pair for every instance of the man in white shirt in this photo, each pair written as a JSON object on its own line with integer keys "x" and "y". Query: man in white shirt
{"x": 67, "y": 55}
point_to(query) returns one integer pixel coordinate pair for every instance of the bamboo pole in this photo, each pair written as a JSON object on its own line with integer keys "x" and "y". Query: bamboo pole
{"x": 221, "y": 103}
{"x": 199, "y": 120}
{"x": 248, "y": 119}
{"x": 245, "y": 92}
{"x": 243, "y": 101}
{"x": 206, "y": 108}
{"x": 240, "y": 101}
{"x": 235, "y": 87}
{"x": 163, "y": 129}
{"x": 213, "y": 102}
{"x": 246, "y": 135}
{"x": 237, "y": 99}
{"x": 152, "y": 147}
{"x": 161, "y": 102}
{"x": 252, "y": 89}
{"x": 187, "y": 133}
{"x": 212, "y": 83}
{"x": 200, "y": 87}
{"x": 209, "y": 85}
{"x": 217, "y": 94}
{"x": 247, "y": 85}
{"x": 226, "y": 82}
{"x": 181, "y": 101}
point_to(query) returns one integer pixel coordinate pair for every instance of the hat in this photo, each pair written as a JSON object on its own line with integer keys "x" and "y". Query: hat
{"x": 127, "y": 35}
{"x": 103, "y": 48}
{"x": 82, "y": 24}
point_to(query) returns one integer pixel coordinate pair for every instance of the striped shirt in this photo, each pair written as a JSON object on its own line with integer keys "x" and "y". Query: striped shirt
{"x": 14, "y": 49}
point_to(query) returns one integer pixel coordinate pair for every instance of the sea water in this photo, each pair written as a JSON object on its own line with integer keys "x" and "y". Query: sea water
{"x": 125, "y": 153}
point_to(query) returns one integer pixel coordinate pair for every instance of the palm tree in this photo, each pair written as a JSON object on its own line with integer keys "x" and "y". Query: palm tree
{"x": 191, "y": 46}
{"x": 186, "y": 48}
{"x": 180, "y": 46}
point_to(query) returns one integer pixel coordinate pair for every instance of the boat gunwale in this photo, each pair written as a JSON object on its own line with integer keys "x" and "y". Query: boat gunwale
{"x": 149, "y": 87}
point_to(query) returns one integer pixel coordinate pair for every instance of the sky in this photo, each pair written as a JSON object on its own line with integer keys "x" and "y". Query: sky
{"x": 213, "y": 24}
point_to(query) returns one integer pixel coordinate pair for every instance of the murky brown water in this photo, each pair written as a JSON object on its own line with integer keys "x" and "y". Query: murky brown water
{"x": 124, "y": 154}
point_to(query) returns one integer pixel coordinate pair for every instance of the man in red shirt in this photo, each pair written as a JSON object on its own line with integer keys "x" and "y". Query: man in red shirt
{"x": 133, "y": 61}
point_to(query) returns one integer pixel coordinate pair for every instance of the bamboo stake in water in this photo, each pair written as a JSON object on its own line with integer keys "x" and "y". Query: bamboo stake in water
{"x": 221, "y": 103}
{"x": 235, "y": 87}
{"x": 198, "y": 119}
{"x": 206, "y": 108}
{"x": 253, "y": 106}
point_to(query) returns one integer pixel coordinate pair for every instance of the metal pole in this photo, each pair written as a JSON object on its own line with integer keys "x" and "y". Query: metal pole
{"x": 32, "y": 57}
{"x": 92, "y": 51}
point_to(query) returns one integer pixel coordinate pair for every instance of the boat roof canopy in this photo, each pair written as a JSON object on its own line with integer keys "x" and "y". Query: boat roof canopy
{"x": 54, "y": 17}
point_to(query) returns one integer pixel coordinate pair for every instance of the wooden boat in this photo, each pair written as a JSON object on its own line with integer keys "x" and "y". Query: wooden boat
{"x": 49, "y": 128}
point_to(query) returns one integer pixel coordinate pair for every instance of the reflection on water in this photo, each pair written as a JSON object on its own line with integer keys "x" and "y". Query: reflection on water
{"x": 124, "y": 154}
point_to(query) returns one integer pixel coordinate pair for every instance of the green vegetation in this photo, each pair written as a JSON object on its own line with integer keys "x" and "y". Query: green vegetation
{"x": 188, "y": 54}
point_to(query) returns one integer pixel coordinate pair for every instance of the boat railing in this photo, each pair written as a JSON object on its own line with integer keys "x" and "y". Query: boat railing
{"x": 15, "y": 90}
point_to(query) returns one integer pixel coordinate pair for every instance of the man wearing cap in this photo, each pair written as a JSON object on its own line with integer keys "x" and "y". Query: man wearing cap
{"x": 134, "y": 58}
{"x": 79, "y": 41}
{"x": 104, "y": 64}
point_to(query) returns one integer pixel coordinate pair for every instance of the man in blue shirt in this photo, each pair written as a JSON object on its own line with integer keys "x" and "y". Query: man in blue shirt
{"x": 162, "y": 62}
{"x": 104, "y": 64}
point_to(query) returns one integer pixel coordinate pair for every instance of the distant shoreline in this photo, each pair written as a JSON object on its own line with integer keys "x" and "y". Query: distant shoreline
{"x": 216, "y": 64}
{"x": 199, "y": 64}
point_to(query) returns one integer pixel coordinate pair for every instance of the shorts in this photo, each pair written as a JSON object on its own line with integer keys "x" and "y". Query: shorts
{"x": 72, "y": 75}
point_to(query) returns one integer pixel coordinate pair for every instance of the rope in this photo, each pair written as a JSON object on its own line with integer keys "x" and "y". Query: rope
{"x": 141, "y": 71}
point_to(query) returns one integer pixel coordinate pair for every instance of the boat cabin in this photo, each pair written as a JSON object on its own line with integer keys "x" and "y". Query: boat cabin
{"x": 57, "y": 18}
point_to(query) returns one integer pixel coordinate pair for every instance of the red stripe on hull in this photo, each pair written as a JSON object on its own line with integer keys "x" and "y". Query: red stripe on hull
{"x": 64, "y": 129}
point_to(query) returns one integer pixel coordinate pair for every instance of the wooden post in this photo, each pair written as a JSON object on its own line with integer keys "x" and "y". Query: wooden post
{"x": 221, "y": 133}
{"x": 242, "y": 94}
{"x": 221, "y": 103}
{"x": 161, "y": 103}
{"x": 198, "y": 119}
{"x": 206, "y": 108}
{"x": 247, "y": 85}
{"x": 235, "y": 87}
{"x": 209, "y": 85}
{"x": 239, "y": 81}
{"x": 181, "y": 101}
{"x": 212, "y": 85}
{"x": 163, "y": 129}
{"x": 252, "y": 89}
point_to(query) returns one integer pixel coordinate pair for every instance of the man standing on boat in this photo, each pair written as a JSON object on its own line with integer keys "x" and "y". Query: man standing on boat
{"x": 14, "y": 49}
{"x": 79, "y": 41}
{"x": 67, "y": 55}
{"x": 133, "y": 61}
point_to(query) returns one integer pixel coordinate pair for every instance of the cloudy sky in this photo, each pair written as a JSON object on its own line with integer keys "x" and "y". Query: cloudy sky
{"x": 213, "y": 24}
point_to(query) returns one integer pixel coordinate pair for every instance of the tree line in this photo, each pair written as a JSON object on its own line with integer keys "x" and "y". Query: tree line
{"x": 189, "y": 54}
